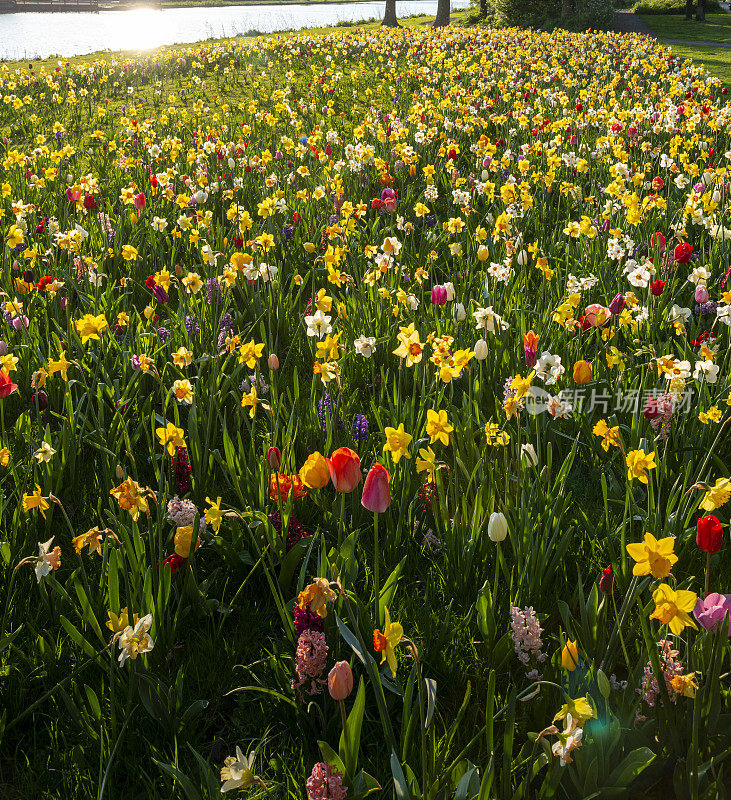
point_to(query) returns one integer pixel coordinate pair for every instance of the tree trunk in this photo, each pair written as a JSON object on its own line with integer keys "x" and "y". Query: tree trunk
{"x": 442, "y": 19}
{"x": 389, "y": 16}
{"x": 565, "y": 9}
{"x": 689, "y": 9}
{"x": 483, "y": 9}
{"x": 700, "y": 12}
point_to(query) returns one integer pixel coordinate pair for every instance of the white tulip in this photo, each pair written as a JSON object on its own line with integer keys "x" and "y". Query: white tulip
{"x": 497, "y": 527}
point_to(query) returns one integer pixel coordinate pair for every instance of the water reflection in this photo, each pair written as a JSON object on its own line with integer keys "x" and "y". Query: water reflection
{"x": 24, "y": 36}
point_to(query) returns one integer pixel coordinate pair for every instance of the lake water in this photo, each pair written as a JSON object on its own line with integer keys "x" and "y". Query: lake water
{"x": 40, "y": 35}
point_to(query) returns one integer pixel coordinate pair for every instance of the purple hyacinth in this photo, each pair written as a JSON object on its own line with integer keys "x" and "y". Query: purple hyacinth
{"x": 163, "y": 333}
{"x": 287, "y": 232}
{"x": 225, "y": 329}
{"x": 213, "y": 288}
{"x": 706, "y": 308}
{"x": 160, "y": 294}
{"x": 327, "y": 407}
{"x": 191, "y": 325}
{"x": 360, "y": 427}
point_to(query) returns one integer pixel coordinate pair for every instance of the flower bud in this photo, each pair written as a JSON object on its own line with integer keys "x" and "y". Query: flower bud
{"x": 709, "y": 534}
{"x": 617, "y": 304}
{"x": 480, "y": 349}
{"x": 438, "y": 295}
{"x": 528, "y": 454}
{"x": 582, "y": 372}
{"x": 459, "y": 313}
{"x": 497, "y": 527}
{"x": 340, "y": 681}
{"x": 570, "y": 656}
{"x": 701, "y": 293}
{"x": 273, "y": 362}
{"x": 274, "y": 457}
{"x": 606, "y": 582}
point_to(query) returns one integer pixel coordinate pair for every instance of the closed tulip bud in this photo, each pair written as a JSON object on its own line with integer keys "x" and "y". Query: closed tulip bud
{"x": 570, "y": 656}
{"x": 3, "y": 348}
{"x": 709, "y": 534}
{"x": 273, "y": 362}
{"x": 344, "y": 465}
{"x": 606, "y": 582}
{"x": 340, "y": 681}
{"x": 497, "y": 527}
{"x": 438, "y": 295}
{"x": 528, "y": 454}
{"x": 480, "y": 349}
{"x": 701, "y": 293}
{"x": 376, "y": 490}
{"x": 450, "y": 290}
{"x": 522, "y": 258}
{"x": 459, "y": 313}
{"x": 582, "y": 372}
{"x": 315, "y": 472}
{"x": 617, "y": 305}
{"x": 274, "y": 457}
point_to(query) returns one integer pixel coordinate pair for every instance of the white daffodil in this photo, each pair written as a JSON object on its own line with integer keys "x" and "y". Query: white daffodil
{"x": 44, "y": 453}
{"x": 136, "y": 640}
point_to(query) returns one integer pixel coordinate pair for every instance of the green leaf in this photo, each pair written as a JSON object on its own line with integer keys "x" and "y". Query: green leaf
{"x": 291, "y": 560}
{"x": 431, "y": 699}
{"x": 332, "y": 758}
{"x": 631, "y": 767}
{"x": 75, "y": 634}
{"x": 351, "y": 734}
{"x": 185, "y": 782}
{"x": 399, "y": 779}
{"x": 389, "y": 588}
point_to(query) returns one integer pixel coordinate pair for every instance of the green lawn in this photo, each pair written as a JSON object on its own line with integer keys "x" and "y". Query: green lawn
{"x": 717, "y": 60}
{"x": 717, "y": 28}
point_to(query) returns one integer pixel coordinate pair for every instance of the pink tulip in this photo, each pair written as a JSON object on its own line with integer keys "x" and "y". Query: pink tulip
{"x": 438, "y": 295}
{"x": 701, "y": 293}
{"x": 596, "y": 315}
{"x": 376, "y": 490}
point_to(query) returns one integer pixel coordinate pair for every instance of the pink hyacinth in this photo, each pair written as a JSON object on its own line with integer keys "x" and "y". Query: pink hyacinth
{"x": 526, "y": 634}
{"x": 671, "y": 667}
{"x": 310, "y": 661}
{"x": 325, "y": 783}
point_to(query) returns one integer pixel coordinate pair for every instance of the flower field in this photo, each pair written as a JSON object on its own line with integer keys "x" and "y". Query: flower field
{"x": 364, "y": 404}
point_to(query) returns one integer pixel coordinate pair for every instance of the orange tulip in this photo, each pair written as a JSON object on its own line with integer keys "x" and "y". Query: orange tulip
{"x": 279, "y": 486}
{"x": 344, "y": 466}
{"x": 582, "y": 372}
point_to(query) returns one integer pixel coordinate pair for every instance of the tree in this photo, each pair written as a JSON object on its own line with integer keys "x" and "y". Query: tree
{"x": 700, "y": 12}
{"x": 483, "y": 9}
{"x": 689, "y": 9}
{"x": 442, "y": 18}
{"x": 389, "y": 16}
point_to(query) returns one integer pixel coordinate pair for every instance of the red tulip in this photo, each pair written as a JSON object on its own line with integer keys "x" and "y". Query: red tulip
{"x": 376, "y": 490}
{"x": 683, "y": 252}
{"x": 709, "y": 534}
{"x": 344, "y": 466}
{"x": 7, "y": 387}
{"x": 657, "y": 240}
{"x": 606, "y": 582}
{"x": 140, "y": 201}
{"x": 274, "y": 457}
{"x": 656, "y": 288}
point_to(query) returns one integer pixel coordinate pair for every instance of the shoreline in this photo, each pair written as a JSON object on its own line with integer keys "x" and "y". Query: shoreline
{"x": 75, "y": 7}
{"x": 458, "y": 17}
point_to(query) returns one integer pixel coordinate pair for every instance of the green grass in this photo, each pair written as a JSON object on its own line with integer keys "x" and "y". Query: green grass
{"x": 717, "y": 27}
{"x": 717, "y": 60}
